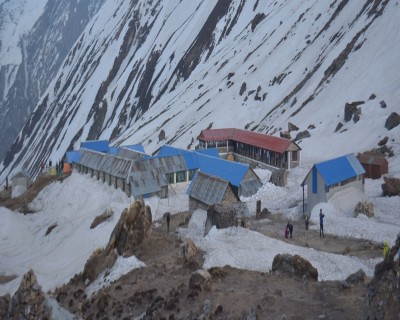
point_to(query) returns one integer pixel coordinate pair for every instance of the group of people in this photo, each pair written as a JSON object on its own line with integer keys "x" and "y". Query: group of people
{"x": 289, "y": 227}
{"x": 59, "y": 167}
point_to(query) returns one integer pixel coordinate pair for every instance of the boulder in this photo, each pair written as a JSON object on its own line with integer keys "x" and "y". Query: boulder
{"x": 383, "y": 141}
{"x": 133, "y": 227}
{"x": 302, "y": 135}
{"x": 28, "y": 302}
{"x": 391, "y": 187}
{"x": 351, "y": 110}
{"x": 356, "y": 277}
{"x": 191, "y": 255}
{"x": 392, "y": 121}
{"x": 292, "y": 127}
{"x": 294, "y": 265}
{"x": 200, "y": 280}
{"x": 98, "y": 262}
{"x": 365, "y": 208}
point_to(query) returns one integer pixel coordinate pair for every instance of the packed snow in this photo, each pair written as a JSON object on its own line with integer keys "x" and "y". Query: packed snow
{"x": 72, "y": 205}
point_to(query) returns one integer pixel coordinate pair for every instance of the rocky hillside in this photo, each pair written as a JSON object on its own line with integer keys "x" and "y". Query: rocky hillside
{"x": 144, "y": 68}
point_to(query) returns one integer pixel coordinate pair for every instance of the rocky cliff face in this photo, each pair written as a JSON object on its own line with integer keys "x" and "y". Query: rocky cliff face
{"x": 145, "y": 67}
{"x": 42, "y": 51}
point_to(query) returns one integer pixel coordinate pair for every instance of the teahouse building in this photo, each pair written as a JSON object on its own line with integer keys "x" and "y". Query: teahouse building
{"x": 274, "y": 151}
{"x": 328, "y": 177}
{"x": 206, "y": 190}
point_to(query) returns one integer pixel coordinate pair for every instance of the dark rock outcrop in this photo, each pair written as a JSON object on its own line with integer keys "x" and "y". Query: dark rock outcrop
{"x": 351, "y": 111}
{"x": 292, "y": 127}
{"x": 382, "y": 299}
{"x": 294, "y": 265}
{"x": 392, "y": 121}
{"x": 133, "y": 227}
{"x": 302, "y": 135}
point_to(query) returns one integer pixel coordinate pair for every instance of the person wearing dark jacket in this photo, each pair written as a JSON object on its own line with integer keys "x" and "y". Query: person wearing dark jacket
{"x": 168, "y": 218}
{"x": 290, "y": 227}
{"x": 321, "y": 224}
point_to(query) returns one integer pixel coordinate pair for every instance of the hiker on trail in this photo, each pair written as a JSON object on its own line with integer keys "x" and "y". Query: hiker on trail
{"x": 286, "y": 232}
{"x": 42, "y": 165}
{"x": 57, "y": 168}
{"x": 321, "y": 223}
{"x": 168, "y": 217}
{"x": 290, "y": 227}
{"x": 386, "y": 249}
{"x": 307, "y": 222}
{"x": 50, "y": 163}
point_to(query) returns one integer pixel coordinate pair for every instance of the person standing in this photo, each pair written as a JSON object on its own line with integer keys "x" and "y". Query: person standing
{"x": 386, "y": 249}
{"x": 168, "y": 217}
{"x": 321, "y": 223}
{"x": 290, "y": 227}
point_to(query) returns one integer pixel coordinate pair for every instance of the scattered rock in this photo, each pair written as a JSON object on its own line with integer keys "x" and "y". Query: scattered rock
{"x": 339, "y": 126}
{"x": 302, "y": 135}
{"x": 382, "y": 104}
{"x": 107, "y": 214}
{"x": 294, "y": 265}
{"x": 242, "y": 88}
{"x": 200, "y": 280}
{"x": 391, "y": 187}
{"x": 392, "y": 121}
{"x": 49, "y": 229}
{"x": 192, "y": 256}
{"x": 292, "y": 127}
{"x": 356, "y": 277}
{"x": 256, "y": 20}
{"x": 230, "y": 75}
{"x": 383, "y": 141}
{"x": 351, "y": 110}
{"x": 161, "y": 135}
{"x": 365, "y": 208}
{"x": 372, "y": 97}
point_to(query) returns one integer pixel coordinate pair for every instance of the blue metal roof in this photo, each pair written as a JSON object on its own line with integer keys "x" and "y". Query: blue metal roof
{"x": 232, "y": 171}
{"x": 73, "y": 156}
{"x": 96, "y": 145}
{"x": 136, "y": 147}
{"x": 212, "y": 152}
{"x": 114, "y": 150}
{"x": 339, "y": 169}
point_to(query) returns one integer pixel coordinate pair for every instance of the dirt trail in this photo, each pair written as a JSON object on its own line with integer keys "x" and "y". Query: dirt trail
{"x": 273, "y": 226}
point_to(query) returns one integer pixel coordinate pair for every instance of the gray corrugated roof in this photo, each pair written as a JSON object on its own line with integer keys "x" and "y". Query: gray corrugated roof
{"x": 249, "y": 187}
{"x": 130, "y": 154}
{"x": 161, "y": 165}
{"x": 107, "y": 163}
{"x": 146, "y": 182}
{"x": 207, "y": 189}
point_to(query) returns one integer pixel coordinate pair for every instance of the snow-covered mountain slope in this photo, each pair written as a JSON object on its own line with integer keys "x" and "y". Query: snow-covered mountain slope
{"x": 181, "y": 66}
{"x": 35, "y": 37}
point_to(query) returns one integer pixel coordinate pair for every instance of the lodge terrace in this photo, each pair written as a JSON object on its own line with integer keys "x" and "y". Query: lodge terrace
{"x": 273, "y": 151}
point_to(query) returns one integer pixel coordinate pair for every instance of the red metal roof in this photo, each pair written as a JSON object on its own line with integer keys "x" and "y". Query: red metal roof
{"x": 260, "y": 140}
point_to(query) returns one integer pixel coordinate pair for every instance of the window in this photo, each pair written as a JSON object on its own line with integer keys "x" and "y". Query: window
{"x": 170, "y": 178}
{"x": 191, "y": 174}
{"x": 180, "y": 176}
{"x": 294, "y": 156}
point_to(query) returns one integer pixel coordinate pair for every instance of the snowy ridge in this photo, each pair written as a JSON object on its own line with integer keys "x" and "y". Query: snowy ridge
{"x": 182, "y": 66}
